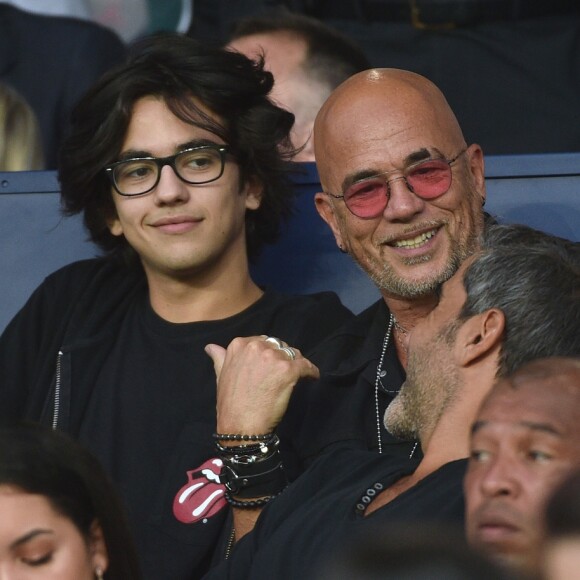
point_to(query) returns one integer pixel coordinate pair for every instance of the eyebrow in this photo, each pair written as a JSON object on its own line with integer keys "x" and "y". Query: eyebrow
{"x": 414, "y": 157}
{"x": 141, "y": 153}
{"x": 30, "y": 536}
{"x": 532, "y": 425}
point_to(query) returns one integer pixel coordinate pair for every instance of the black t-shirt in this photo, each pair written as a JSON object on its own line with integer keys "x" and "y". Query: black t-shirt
{"x": 298, "y": 531}
{"x": 151, "y": 416}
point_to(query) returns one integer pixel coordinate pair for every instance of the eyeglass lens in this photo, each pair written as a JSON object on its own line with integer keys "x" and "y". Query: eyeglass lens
{"x": 136, "y": 176}
{"x": 368, "y": 198}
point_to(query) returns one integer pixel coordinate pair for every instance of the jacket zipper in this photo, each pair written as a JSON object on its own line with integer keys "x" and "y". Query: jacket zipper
{"x": 56, "y": 407}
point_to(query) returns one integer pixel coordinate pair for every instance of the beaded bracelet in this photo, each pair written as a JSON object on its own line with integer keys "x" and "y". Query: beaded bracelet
{"x": 231, "y": 437}
{"x": 252, "y": 503}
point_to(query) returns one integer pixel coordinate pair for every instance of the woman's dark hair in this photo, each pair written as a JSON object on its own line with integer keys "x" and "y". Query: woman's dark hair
{"x": 40, "y": 461}
{"x": 180, "y": 70}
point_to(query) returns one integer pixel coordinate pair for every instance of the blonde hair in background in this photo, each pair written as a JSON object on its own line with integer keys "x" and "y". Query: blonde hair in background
{"x": 20, "y": 141}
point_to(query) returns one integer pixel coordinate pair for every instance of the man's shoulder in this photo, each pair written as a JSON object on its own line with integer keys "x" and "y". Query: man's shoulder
{"x": 304, "y": 320}
{"x": 349, "y": 339}
{"x": 91, "y": 284}
{"x": 97, "y": 270}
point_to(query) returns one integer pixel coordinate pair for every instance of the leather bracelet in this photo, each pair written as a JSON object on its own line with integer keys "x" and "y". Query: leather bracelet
{"x": 249, "y": 453}
{"x": 255, "y": 479}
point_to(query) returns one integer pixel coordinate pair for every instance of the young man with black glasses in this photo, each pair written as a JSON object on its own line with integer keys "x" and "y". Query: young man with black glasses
{"x": 177, "y": 161}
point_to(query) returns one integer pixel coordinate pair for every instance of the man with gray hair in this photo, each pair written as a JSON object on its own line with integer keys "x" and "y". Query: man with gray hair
{"x": 483, "y": 327}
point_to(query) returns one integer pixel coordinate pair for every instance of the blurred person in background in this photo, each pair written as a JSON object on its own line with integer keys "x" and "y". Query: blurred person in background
{"x": 410, "y": 552}
{"x": 60, "y": 517}
{"x": 509, "y": 68}
{"x": 308, "y": 60}
{"x": 51, "y": 61}
{"x": 20, "y": 142}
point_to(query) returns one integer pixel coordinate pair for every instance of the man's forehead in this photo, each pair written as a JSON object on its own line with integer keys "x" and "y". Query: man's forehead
{"x": 340, "y": 167}
{"x": 552, "y": 404}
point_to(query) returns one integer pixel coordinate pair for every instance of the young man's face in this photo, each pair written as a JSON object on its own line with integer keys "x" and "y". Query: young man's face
{"x": 181, "y": 230}
{"x": 524, "y": 443}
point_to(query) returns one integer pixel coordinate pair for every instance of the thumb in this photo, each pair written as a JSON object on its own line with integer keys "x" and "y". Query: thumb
{"x": 217, "y": 354}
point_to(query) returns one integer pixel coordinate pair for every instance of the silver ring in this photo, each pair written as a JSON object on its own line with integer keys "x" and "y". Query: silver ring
{"x": 273, "y": 340}
{"x": 290, "y": 352}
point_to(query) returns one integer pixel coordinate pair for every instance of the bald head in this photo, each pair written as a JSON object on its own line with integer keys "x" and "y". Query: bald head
{"x": 382, "y": 104}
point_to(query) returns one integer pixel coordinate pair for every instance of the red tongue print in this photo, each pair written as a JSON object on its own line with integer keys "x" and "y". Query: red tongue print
{"x": 202, "y": 496}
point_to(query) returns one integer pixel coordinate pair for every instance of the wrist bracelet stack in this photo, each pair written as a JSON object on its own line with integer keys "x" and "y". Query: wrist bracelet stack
{"x": 252, "y": 472}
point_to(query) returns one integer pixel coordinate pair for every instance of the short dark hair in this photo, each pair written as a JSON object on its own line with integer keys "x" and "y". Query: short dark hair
{"x": 176, "y": 68}
{"x": 534, "y": 279}
{"x": 331, "y": 56}
{"x": 41, "y": 461}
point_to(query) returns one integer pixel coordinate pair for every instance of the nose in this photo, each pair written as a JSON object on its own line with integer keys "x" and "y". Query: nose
{"x": 403, "y": 204}
{"x": 170, "y": 189}
{"x": 499, "y": 479}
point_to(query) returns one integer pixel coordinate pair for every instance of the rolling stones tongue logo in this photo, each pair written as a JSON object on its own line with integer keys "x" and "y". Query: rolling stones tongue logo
{"x": 202, "y": 496}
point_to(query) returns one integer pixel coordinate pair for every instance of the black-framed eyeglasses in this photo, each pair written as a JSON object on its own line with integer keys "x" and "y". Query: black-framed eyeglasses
{"x": 368, "y": 198}
{"x": 195, "y": 166}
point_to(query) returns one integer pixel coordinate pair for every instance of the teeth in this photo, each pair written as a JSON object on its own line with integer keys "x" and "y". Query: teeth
{"x": 415, "y": 242}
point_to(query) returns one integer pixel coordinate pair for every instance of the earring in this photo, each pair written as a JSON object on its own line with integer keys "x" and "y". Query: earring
{"x": 342, "y": 249}
{"x": 98, "y": 573}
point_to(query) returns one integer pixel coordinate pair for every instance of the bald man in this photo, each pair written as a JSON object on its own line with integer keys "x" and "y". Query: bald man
{"x": 523, "y": 445}
{"x": 480, "y": 330}
{"x": 403, "y": 195}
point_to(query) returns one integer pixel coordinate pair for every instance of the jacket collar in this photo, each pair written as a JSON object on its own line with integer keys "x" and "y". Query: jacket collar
{"x": 368, "y": 330}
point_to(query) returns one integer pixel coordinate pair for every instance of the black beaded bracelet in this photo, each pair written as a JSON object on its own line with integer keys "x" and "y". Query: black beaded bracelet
{"x": 237, "y": 437}
{"x": 252, "y": 503}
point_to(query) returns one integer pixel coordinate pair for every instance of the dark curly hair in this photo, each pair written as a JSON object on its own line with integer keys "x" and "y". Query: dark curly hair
{"x": 180, "y": 70}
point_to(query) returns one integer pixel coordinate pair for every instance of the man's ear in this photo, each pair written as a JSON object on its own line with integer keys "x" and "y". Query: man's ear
{"x": 253, "y": 190}
{"x": 477, "y": 169}
{"x": 98, "y": 547}
{"x": 480, "y": 336}
{"x": 326, "y": 211}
